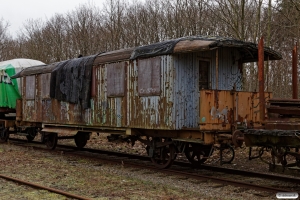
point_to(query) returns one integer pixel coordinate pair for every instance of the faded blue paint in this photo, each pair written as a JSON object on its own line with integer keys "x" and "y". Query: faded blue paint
{"x": 186, "y": 92}
{"x": 228, "y": 72}
{"x": 177, "y": 106}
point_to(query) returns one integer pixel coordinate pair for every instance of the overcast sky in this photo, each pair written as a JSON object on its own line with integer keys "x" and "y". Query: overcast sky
{"x": 16, "y": 12}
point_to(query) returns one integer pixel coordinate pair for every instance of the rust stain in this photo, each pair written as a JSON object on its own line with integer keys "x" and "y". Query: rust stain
{"x": 239, "y": 109}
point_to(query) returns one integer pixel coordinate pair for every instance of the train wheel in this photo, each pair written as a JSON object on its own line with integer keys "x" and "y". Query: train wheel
{"x": 164, "y": 156}
{"x": 237, "y": 138}
{"x": 4, "y": 135}
{"x": 81, "y": 140}
{"x": 197, "y": 154}
{"x": 51, "y": 140}
{"x": 31, "y": 134}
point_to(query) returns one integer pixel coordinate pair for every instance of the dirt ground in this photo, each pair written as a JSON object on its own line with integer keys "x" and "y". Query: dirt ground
{"x": 98, "y": 180}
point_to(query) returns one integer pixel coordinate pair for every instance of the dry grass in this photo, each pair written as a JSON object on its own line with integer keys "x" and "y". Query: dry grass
{"x": 75, "y": 175}
{"x": 96, "y": 180}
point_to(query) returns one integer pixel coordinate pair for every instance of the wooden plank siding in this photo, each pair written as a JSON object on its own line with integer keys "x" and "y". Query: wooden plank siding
{"x": 120, "y": 104}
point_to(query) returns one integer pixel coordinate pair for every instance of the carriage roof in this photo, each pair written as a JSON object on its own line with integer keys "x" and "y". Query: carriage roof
{"x": 248, "y": 50}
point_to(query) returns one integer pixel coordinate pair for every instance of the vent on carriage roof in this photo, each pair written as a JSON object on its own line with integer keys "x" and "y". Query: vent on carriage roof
{"x": 197, "y": 43}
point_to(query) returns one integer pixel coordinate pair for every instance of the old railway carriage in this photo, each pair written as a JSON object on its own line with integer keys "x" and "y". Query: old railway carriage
{"x": 183, "y": 94}
{"x": 10, "y": 91}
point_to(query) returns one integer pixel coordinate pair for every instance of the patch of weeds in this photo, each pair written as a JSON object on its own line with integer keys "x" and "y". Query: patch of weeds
{"x": 42, "y": 194}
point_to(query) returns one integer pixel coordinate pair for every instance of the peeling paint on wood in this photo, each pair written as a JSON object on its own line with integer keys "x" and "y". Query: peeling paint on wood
{"x": 179, "y": 103}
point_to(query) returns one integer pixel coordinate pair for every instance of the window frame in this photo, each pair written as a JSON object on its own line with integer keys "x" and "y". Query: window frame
{"x": 149, "y": 76}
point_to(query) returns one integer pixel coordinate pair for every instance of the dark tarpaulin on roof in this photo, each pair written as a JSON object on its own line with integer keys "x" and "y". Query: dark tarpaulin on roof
{"x": 71, "y": 80}
{"x": 160, "y": 48}
{"x": 167, "y": 47}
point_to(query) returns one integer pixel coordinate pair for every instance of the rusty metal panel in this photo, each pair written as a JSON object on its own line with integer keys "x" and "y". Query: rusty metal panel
{"x": 47, "y": 111}
{"x": 64, "y": 112}
{"x": 101, "y": 104}
{"x": 30, "y": 87}
{"x": 107, "y": 111}
{"x": 115, "y": 111}
{"x": 132, "y": 95}
{"x": 19, "y": 110}
{"x": 115, "y": 79}
{"x": 29, "y": 113}
{"x": 151, "y": 111}
{"x": 216, "y": 110}
{"x": 221, "y": 109}
{"x": 149, "y": 75}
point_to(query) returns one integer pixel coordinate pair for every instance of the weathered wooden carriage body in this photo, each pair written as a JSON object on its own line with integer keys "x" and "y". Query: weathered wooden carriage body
{"x": 189, "y": 92}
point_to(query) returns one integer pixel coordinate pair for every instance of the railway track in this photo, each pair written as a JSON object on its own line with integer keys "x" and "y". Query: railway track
{"x": 38, "y": 186}
{"x": 182, "y": 169}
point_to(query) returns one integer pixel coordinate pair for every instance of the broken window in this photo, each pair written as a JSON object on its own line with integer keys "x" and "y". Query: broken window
{"x": 116, "y": 79}
{"x": 149, "y": 77}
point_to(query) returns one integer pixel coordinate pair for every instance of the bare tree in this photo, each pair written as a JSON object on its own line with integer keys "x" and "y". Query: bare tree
{"x": 121, "y": 24}
{"x": 83, "y": 30}
{"x": 4, "y": 40}
{"x": 114, "y": 10}
{"x": 34, "y": 45}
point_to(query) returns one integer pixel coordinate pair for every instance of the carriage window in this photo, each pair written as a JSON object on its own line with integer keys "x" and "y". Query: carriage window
{"x": 203, "y": 75}
{"x": 45, "y": 85}
{"x": 149, "y": 77}
{"x": 30, "y": 87}
{"x": 116, "y": 79}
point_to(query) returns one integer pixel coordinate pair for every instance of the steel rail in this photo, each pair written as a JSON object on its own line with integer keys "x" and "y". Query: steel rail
{"x": 190, "y": 175}
{"x": 195, "y": 176}
{"x": 67, "y": 194}
{"x": 202, "y": 166}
